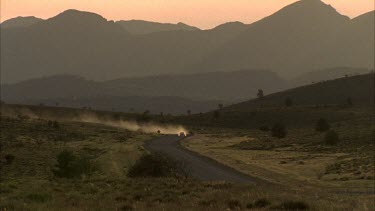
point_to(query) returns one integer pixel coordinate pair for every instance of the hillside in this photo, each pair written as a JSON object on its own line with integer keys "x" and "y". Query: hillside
{"x": 329, "y": 100}
{"x": 360, "y": 89}
{"x": 307, "y": 35}
{"x": 139, "y": 27}
{"x": 326, "y": 74}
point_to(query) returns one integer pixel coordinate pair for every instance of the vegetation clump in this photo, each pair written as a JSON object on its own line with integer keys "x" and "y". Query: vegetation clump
{"x": 322, "y": 125}
{"x": 234, "y": 204}
{"x": 292, "y": 205}
{"x": 157, "y": 165}
{"x": 72, "y": 166}
{"x": 331, "y": 138}
{"x": 264, "y": 128}
{"x": 9, "y": 158}
{"x": 288, "y": 102}
{"x": 260, "y": 203}
{"x": 216, "y": 114}
{"x": 279, "y": 130}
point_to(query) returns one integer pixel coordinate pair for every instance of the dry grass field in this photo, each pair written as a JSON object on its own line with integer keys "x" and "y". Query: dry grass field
{"x": 29, "y": 154}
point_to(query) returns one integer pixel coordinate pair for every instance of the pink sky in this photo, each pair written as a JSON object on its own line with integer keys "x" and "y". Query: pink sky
{"x": 201, "y": 13}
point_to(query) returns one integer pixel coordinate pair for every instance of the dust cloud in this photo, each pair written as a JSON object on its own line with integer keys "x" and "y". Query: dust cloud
{"x": 133, "y": 125}
{"x": 91, "y": 117}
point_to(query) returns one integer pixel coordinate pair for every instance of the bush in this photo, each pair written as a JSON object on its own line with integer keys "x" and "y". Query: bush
{"x": 264, "y": 128}
{"x": 331, "y": 138}
{"x": 293, "y": 205}
{"x": 38, "y": 197}
{"x": 9, "y": 158}
{"x": 234, "y": 204}
{"x": 279, "y": 130}
{"x": 260, "y": 203}
{"x": 288, "y": 102}
{"x": 216, "y": 114}
{"x": 322, "y": 125}
{"x": 71, "y": 166}
{"x": 157, "y": 165}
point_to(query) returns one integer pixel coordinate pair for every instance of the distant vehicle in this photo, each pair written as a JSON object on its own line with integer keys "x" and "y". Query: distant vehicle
{"x": 182, "y": 134}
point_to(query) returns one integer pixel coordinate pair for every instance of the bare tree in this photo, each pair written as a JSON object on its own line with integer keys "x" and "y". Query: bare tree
{"x": 260, "y": 93}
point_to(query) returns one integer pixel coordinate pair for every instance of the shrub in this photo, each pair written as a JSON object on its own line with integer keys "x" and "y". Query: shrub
{"x": 216, "y": 114}
{"x": 157, "y": 165}
{"x": 293, "y": 205}
{"x": 38, "y": 197}
{"x": 9, "y": 158}
{"x": 234, "y": 204}
{"x": 264, "y": 128}
{"x": 322, "y": 125}
{"x": 56, "y": 124}
{"x": 349, "y": 101}
{"x": 279, "y": 130}
{"x": 260, "y": 203}
{"x": 288, "y": 102}
{"x": 331, "y": 138}
{"x": 70, "y": 166}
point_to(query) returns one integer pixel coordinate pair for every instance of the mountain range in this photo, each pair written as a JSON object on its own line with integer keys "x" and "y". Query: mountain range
{"x": 173, "y": 94}
{"x": 305, "y": 36}
{"x": 224, "y": 86}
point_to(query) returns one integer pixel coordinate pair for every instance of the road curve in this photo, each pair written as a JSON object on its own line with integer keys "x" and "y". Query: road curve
{"x": 200, "y": 167}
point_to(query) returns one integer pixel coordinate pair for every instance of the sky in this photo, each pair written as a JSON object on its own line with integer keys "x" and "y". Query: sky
{"x": 204, "y": 14}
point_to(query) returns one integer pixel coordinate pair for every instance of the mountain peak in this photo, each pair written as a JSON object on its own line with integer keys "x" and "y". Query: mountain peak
{"x": 20, "y": 22}
{"x": 230, "y": 26}
{"x": 76, "y": 15}
{"x": 308, "y": 13}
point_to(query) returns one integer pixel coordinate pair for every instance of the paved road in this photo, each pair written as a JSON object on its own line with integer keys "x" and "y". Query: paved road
{"x": 199, "y": 167}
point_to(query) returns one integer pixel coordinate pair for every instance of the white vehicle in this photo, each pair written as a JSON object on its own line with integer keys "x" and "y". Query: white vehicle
{"x": 181, "y": 134}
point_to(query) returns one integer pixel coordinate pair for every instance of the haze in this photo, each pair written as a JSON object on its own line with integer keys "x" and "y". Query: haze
{"x": 204, "y": 14}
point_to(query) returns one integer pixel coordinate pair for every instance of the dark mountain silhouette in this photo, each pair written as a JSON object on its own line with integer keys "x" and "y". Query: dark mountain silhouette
{"x": 139, "y": 27}
{"x": 307, "y": 35}
{"x": 290, "y": 41}
{"x": 20, "y": 22}
{"x": 59, "y": 86}
{"x": 71, "y": 42}
{"x": 230, "y": 86}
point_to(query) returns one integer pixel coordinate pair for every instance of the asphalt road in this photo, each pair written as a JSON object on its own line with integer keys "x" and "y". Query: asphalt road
{"x": 199, "y": 167}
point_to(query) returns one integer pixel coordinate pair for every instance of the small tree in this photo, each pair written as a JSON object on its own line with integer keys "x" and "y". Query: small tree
{"x": 70, "y": 166}
{"x": 56, "y": 124}
{"x": 9, "y": 158}
{"x": 279, "y": 130}
{"x": 322, "y": 125}
{"x": 216, "y": 114}
{"x": 260, "y": 94}
{"x": 157, "y": 165}
{"x": 349, "y": 101}
{"x": 264, "y": 128}
{"x": 220, "y": 106}
{"x": 331, "y": 138}
{"x": 288, "y": 102}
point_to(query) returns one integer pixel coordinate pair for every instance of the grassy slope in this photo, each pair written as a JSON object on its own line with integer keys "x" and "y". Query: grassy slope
{"x": 334, "y": 92}
{"x": 28, "y": 183}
